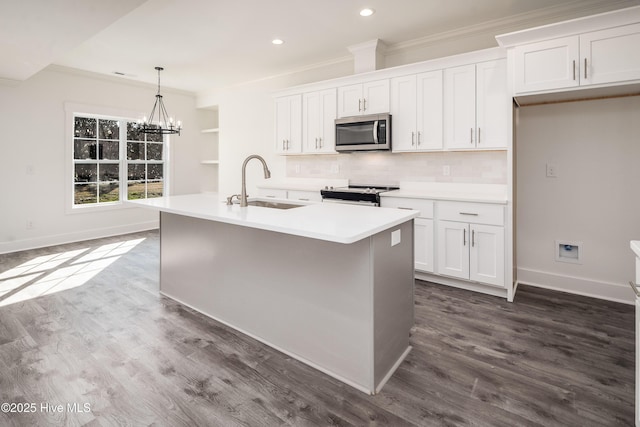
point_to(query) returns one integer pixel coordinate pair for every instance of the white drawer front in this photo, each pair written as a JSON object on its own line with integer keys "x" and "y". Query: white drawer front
{"x": 424, "y": 206}
{"x": 475, "y": 213}
{"x": 307, "y": 196}
{"x": 271, "y": 192}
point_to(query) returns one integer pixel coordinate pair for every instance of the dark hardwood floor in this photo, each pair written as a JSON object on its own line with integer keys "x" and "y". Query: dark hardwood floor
{"x": 110, "y": 341}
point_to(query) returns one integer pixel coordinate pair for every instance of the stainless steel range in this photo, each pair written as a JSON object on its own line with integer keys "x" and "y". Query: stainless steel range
{"x": 368, "y": 195}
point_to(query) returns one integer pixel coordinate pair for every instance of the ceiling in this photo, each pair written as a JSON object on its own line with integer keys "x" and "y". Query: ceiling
{"x": 207, "y": 44}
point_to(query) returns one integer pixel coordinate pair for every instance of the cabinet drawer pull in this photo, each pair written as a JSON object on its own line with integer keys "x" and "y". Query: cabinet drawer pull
{"x": 303, "y": 199}
{"x": 407, "y": 209}
{"x": 635, "y": 288}
{"x": 468, "y": 213}
{"x": 271, "y": 197}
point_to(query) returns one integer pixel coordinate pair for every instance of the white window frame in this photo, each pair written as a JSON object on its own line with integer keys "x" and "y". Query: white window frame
{"x": 71, "y": 111}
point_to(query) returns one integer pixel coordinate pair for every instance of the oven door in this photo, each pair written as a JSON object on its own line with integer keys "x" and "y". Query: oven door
{"x": 363, "y": 133}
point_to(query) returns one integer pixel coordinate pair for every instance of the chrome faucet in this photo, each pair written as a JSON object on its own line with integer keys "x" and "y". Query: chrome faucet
{"x": 267, "y": 175}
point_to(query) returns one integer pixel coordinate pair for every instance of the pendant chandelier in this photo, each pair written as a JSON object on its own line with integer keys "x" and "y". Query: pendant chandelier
{"x": 159, "y": 121}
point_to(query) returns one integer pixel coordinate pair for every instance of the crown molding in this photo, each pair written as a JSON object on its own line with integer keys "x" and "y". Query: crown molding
{"x": 552, "y": 14}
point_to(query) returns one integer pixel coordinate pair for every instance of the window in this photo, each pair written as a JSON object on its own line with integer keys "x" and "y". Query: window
{"x": 113, "y": 161}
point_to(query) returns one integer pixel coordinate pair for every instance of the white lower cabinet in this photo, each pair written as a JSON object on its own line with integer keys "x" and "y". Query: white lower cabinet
{"x": 423, "y": 244}
{"x": 422, "y": 229}
{"x": 471, "y": 251}
{"x": 470, "y": 242}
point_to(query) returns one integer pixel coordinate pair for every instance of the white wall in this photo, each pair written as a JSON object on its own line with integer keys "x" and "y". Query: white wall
{"x": 32, "y": 119}
{"x": 595, "y": 198}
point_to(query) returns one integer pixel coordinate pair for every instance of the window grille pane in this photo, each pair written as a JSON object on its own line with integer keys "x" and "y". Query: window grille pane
{"x": 85, "y": 193}
{"x": 135, "y": 172}
{"x": 154, "y": 171}
{"x": 135, "y": 151}
{"x": 136, "y": 190}
{"x": 133, "y": 133}
{"x": 154, "y": 189}
{"x": 109, "y": 150}
{"x": 154, "y": 151}
{"x": 154, "y": 137}
{"x": 84, "y": 149}
{"x": 110, "y": 192}
{"x": 85, "y": 173}
{"x": 108, "y": 129}
{"x": 109, "y": 172}
{"x": 84, "y": 127}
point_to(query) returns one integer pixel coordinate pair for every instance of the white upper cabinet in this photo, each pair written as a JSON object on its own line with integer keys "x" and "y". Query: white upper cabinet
{"x": 611, "y": 55}
{"x": 593, "y": 58}
{"x": 416, "y": 109}
{"x": 363, "y": 98}
{"x": 476, "y": 106}
{"x": 493, "y": 105}
{"x": 460, "y": 107}
{"x": 288, "y": 110}
{"x": 547, "y": 65}
{"x": 318, "y": 121}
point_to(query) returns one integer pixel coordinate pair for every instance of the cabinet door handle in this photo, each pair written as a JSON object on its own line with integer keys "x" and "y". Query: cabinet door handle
{"x": 283, "y": 145}
{"x": 478, "y": 135}
{"x": 316, "y": 143}
{"x": 364, "y": 103}
{"x": 585, "y": 68}
{"x": 468, "y": 213}
{"x": 473, "y": 238}
{"x": 635, "y": 288}
{"x": 464, "y": 237}
{"x": 320, "y": 142}
{"x": 471, "y": 136}
{"x": 574, "y": 69}
{"x": 359, "y": 105}
{"x": 413, "y": 138}
{"x": 418, "y": 137}
{"x": 288, "y": 144}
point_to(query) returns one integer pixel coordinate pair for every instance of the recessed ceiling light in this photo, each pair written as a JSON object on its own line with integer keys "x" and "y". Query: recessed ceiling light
{"x": 277, "y": 41}
{"x": 367, "y": 12}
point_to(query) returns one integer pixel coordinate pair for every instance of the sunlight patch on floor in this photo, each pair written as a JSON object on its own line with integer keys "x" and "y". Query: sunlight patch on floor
{"x": 47, "y": 274}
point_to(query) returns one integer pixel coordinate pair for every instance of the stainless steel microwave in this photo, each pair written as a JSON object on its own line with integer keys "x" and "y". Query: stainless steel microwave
{"x": 363, "y": 133}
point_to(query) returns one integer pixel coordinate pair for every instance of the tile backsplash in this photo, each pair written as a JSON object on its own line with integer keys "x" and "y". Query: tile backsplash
{"x": 482, "y": 167}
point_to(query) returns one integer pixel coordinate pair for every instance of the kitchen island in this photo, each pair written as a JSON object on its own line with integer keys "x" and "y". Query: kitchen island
{"x": 328, "y": 284}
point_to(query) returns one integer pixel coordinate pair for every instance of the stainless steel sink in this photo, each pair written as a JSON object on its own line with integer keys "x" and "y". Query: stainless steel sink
{"x": 274, "y": 205}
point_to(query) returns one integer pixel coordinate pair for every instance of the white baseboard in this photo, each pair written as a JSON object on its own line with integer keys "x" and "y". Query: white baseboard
{"x": 576, "y": 285}
{"x": 59, "y": 239}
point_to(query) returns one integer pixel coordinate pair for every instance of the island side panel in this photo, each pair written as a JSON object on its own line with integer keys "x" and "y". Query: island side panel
{"x": 393, "y": 299}
{"x": 308, "y": 297}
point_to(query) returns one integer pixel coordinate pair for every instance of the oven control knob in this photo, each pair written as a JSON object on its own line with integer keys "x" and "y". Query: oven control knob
{"x": 331, "y": 188}
{"x": 326, "y": 187}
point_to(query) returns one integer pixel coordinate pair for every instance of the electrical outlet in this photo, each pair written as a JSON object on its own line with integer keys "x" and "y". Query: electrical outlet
{"x": 29, "y": 224}
{"x": 335, "y": 168}
{"x": 446, "y": 170}
{"x": 552, "y": 170}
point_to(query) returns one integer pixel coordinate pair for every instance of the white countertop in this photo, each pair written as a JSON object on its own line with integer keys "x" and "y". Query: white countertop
{"x": 334, "y": 222}
{"x": 635, "y": 247}
{"x": 461, "y": 192}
